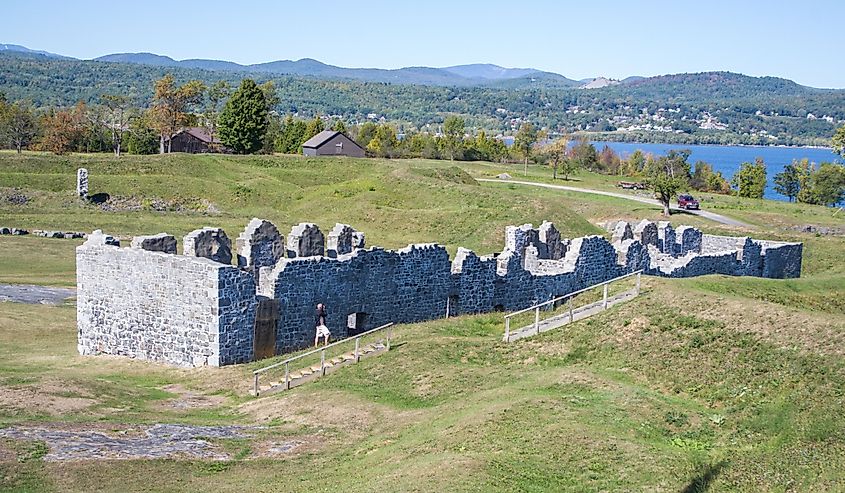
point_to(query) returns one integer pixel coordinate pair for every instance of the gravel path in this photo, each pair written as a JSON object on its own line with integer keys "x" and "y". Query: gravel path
{"x": 25, "y": 293}
{"x": 705, "y": 214}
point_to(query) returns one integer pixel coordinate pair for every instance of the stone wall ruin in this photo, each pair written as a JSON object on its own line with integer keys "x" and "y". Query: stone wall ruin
{"x": 198, "y": 309}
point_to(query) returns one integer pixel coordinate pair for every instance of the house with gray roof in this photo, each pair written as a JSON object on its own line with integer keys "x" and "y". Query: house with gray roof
{"x": 332, "y": 143}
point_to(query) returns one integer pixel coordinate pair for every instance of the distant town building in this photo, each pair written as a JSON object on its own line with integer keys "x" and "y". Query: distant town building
{"x": 193, "y": 140}
{"x": 332, "y": 143}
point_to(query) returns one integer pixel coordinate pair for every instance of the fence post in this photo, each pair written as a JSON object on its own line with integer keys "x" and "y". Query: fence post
{"x": 537, "y": 319}
{"x": 388, "y": 336}
{"x": 571, "y": 319}
{"x": 448, "y": 302}
{"x": 357, "y": 358}
{"x": 605, "y": 297}
{"x": 287, "y": 376}
{"x": 507, "y": 329}
{"x": 255, "y": 385}
{"x": 323, "y": 362}
{"x": 638, "y": 282}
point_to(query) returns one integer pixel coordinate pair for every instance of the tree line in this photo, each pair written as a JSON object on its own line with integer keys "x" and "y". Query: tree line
{"x": 753, "y": 110}
{"x": 245, "y": 122}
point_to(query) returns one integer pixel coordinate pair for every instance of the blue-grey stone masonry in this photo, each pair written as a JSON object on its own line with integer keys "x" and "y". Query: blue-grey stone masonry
{"x": 193, "y": 311}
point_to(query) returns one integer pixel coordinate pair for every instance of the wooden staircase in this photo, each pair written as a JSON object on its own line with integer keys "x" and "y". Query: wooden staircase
{"x": 314, "y": 372}
{"x": 289, "y": 379}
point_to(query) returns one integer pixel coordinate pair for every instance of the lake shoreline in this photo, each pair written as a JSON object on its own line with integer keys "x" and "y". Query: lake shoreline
{"x": 727, "y": 159}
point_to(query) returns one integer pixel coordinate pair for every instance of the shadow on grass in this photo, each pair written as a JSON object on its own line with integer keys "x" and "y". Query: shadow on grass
{"x": 701, "y": 483}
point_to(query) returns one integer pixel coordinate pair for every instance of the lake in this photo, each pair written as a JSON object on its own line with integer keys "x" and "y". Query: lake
{"x": 727, "y": 159}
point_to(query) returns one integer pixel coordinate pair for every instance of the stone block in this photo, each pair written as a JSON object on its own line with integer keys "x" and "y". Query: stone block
{"x": 305, "y": 240}
{"x": 82, "y": 182}
{"x": 161, "y": 242}
{"x": 210, "y": 243}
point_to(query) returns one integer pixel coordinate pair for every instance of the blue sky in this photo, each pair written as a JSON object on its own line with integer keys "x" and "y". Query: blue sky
{"x": 802, "y": 41}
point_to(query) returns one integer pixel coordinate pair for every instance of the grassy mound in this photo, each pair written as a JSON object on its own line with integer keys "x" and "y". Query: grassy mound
{"x": 452, "y": 174}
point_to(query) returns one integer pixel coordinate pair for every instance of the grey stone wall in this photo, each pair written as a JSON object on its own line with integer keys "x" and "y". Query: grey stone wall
{"x": 185, "y": 311}
{"x": 260, "y": 245}
{"x": 189, "y": 310}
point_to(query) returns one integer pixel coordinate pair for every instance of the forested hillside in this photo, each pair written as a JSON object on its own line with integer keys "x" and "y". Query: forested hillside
{"x": 715, "y": 107}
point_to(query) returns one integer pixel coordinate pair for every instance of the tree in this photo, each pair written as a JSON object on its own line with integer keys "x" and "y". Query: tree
{"x": 805, "y": 170}
{"x": 788, "y": 182}
{"x": 365, "y": 133}
{"x": 170, "y": 104}
{"x": 668, "y": 175}
{"x": 243, "y": 122}
{"x": 216, "y": 94}
{"x": 584, "y": 154}
{"x": 117, "y": 108}
{"x": 636, "y": 162}
{"x": 453, "y": 135}
{"x": 273, "y": 134}
{"x": 292, "y": 136}
{"x": 61, "y": 129}
{"x": 524, "y": 141}
{"x": 706, "y": 180}
{"x": 339, "y": 126}
{"x": 384, "y": 142}
{"x": 839, "y": 141}
{"x": 314, "y": 127}
{"x": 558, "y": 156}
{"x": 18, "y": 126}
{"x": 750, "y": 180}
{"x": 829, "y": 184}
{"x": 142, "y": 138}
{"x": 271, "y": 96}
{"x": 609, "y": 161}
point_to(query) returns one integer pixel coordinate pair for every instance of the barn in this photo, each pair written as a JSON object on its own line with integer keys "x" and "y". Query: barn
{"x": 331, "y": 143}
{"x": 193, "y": 140}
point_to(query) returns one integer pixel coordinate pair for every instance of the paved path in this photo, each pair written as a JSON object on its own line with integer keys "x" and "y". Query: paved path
{"x": 705, "y": 214}
{"x": 24, "y": 293}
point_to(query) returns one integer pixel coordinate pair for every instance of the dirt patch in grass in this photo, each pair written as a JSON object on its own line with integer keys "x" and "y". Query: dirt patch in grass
{"x": 343, "y": 412}
{"x": 288, "y": 447}
{"x": 49, "y": 398}
{"x": 6, "y": 453}
{"x": 188, "y": 399}
{"x": 313, "y": 410}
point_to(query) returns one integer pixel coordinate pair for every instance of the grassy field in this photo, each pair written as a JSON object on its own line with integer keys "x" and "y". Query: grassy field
{"x": 705, "y": 384}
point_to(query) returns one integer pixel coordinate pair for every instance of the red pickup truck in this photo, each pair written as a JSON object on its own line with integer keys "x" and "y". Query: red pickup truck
{"x": 687, "y": 201}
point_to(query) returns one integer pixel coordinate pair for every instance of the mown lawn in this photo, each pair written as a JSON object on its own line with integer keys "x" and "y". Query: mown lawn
{"x": 706, "y": 384}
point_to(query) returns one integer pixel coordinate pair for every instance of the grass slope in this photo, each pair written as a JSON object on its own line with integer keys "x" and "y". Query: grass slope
{"x": 712, "y": 383}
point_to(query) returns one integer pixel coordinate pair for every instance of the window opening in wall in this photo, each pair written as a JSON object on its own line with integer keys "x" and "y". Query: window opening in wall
{"x": 356, "y": 323}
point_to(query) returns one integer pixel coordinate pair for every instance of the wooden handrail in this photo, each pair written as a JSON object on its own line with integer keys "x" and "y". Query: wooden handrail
{"x": 509, "y": 315}
{"x": 323, "y": 348}
{"x": 568, "y": 297}
{"x": 322, "y": 351}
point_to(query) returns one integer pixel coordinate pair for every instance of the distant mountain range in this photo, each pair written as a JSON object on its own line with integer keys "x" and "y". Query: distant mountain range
{"x": 706, "y": 107}
{"x": 480, "y": 74}
{"x": 459, "y": 75}
{"x": 24, "y": 49}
